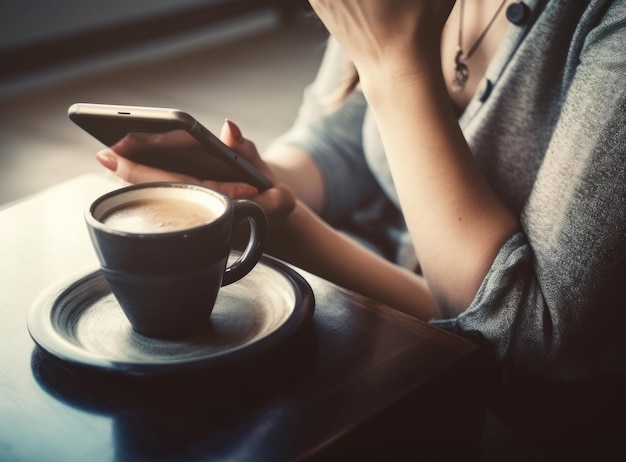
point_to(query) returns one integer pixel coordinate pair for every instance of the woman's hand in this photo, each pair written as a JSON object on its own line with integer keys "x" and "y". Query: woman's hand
{"x": 278, "y": 201}
{"x": 386, "y": 38}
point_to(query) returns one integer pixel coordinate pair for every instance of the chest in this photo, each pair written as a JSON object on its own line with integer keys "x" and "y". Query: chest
{"x": 477, "y": 29}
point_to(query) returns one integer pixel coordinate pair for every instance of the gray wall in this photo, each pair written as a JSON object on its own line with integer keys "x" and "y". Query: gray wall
{"x": 24, "y": 22}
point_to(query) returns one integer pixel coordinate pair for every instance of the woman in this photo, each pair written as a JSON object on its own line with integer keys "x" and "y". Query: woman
{"x": 502, "y": 143}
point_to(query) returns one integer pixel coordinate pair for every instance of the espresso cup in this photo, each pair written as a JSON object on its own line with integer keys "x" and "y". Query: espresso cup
{"x": 163, "y": 249}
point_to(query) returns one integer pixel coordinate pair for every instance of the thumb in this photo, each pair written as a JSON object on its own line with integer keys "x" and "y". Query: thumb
{"x": 231, "y": 134}
{"x": 232, "y": 137}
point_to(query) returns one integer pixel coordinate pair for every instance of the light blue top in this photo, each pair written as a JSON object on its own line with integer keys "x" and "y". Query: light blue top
{"x": 547, "y": 127}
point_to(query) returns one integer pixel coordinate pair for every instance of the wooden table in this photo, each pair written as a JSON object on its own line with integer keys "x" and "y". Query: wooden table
{"x": 362, "y": 380}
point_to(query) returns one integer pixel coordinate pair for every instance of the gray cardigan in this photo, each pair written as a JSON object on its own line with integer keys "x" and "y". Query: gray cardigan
{"x": 547, "y": 127}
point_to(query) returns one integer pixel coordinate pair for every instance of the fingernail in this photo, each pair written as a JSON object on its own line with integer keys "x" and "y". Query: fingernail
{"x": 235, "y": 131}
{"x": 107, "y": 159}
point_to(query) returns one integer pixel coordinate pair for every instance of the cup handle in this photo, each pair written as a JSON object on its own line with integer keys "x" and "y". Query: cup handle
{"x": 258, "y": 235}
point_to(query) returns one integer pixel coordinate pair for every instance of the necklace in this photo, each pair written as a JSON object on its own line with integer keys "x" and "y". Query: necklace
{"x": 461, "y": 71}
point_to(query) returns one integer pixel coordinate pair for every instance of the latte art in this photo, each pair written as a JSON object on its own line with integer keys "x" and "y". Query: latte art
{"x": 157, "y": 215}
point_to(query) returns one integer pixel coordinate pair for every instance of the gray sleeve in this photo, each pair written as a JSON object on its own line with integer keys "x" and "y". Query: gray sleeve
{"x": 333, "y": 138}
{"x": 554, "y": 302}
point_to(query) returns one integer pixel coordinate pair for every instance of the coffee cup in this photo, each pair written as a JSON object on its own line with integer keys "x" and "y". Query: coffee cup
{"x": 163, "y": 249}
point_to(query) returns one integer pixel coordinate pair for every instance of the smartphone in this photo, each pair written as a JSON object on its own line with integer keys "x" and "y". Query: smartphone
{"x": 165, "y": 138}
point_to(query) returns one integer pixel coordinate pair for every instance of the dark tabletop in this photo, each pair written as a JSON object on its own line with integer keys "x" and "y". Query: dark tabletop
{"x": 358, "y": 379}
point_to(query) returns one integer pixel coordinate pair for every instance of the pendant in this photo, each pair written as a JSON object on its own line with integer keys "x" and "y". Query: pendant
{"x": 461, "y": 72}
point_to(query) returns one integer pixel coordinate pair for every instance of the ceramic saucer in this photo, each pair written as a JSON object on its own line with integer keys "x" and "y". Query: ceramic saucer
{"x": 80, "y": 321}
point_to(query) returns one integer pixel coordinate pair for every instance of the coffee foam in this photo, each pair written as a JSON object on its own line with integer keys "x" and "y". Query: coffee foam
{"x": 159, "y": 209}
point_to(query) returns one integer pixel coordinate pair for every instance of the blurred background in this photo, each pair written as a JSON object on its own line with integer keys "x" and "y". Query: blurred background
{"x": 248, "y": 60}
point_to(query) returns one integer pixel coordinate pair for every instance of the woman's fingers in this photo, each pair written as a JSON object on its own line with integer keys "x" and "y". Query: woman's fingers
{"x": 279, "y": 200}
{"x": 133, "y": 172}
{"x": 232, "y": 137}
{"x": 381, "y": 36}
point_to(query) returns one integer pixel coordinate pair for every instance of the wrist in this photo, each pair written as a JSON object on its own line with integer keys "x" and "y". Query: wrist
{"x": 389, "y": 78}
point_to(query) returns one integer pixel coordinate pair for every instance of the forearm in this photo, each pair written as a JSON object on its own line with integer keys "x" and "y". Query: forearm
{"x": 456, "y": 221}
{"x": 316, "y": 247}
{"x": 295, "y": 167}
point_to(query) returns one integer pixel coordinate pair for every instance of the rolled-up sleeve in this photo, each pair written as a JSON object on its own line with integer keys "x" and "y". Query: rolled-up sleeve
{"x": 554, "y": 302}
